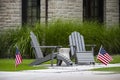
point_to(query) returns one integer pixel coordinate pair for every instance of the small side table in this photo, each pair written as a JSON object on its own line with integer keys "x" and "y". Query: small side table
{"x": 65, "y": 52}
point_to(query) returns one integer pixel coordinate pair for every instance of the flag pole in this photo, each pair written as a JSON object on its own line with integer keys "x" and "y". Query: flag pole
{"x": 99, "y": 51}
{"x": 15, "y": 57}
{"x": 16, "y": 46}
{"x": 15, "y": 67}
{"x": 18, "y": 57}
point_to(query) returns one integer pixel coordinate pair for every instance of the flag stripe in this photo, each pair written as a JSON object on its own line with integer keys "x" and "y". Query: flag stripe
{"x": 104, "y": 57}
{"x": 108, "y": 56}
{"x": 18, "y": 59}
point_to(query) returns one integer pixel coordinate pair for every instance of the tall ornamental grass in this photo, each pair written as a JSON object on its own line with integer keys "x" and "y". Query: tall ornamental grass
{"x": 57, "y": 33}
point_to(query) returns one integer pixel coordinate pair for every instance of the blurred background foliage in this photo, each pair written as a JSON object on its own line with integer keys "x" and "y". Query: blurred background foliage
{"x": 57, "y": 33}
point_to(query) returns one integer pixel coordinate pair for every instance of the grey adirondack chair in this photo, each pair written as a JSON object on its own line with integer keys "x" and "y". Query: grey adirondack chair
{"x": 39, "y": 55}
{"x": 77, "y": 47}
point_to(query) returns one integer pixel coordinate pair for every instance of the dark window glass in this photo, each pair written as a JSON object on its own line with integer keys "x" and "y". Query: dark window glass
{"x": 30, "y": 11}
{"x": 93, "y": 10}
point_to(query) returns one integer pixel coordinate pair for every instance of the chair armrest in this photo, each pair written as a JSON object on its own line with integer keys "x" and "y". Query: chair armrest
{"x": 91, "y": 45}
{"x": 72, "y": 46}
{"x": 85, "y": 52}
{"x": 52, "y": 47}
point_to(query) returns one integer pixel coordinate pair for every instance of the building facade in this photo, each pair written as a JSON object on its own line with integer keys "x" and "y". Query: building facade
{"x": 18, "y": 12}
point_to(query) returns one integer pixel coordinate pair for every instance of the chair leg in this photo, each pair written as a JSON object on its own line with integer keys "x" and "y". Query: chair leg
{"x": 93, "y": 63}
{"x": 59, "y": 62}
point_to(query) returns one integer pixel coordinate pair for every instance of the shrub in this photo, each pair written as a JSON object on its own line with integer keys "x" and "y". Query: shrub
{"x": 57, "y": 33}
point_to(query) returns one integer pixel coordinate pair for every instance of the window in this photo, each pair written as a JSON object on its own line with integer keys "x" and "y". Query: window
{"x": 30, "y": 11}
{"x": 93, "y": 10}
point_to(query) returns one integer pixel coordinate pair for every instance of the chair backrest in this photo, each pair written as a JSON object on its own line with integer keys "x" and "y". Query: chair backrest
{"x": 36, "y": 46}
{"x": 76, "y": 42}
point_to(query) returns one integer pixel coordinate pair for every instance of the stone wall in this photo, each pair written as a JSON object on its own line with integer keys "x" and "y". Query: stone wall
{"x": 111, "y": 12}
{"x": 63, "y": 9}
{"x": 42, "y": 11}
{"x": 10, "y": 13}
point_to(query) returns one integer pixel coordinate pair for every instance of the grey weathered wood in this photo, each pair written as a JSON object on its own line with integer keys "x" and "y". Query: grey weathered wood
{"x": 39, "y": 55}
{"x": 38, "y": 52}
{"x": 61, "y": 57}
{"x": 77, "y": 47}
{"x": 34, "y": 43}
{"x": 44, "y": 59}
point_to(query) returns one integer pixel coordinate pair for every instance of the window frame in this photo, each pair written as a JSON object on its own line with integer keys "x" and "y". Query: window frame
{"x": 92, "y": 10}
{"x": 31, "y": 11}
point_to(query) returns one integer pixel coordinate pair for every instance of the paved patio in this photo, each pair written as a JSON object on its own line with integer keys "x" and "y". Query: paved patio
{"x": 63, "y": 73}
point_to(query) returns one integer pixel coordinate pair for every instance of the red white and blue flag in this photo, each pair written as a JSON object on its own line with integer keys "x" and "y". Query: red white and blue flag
{"x": 103, "y": 56}
{"x": 18, "y": 57}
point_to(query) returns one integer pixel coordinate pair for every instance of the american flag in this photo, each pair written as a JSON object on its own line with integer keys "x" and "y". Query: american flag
{"x": 18, "y": 58}
{"x": 103, "y": 56}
